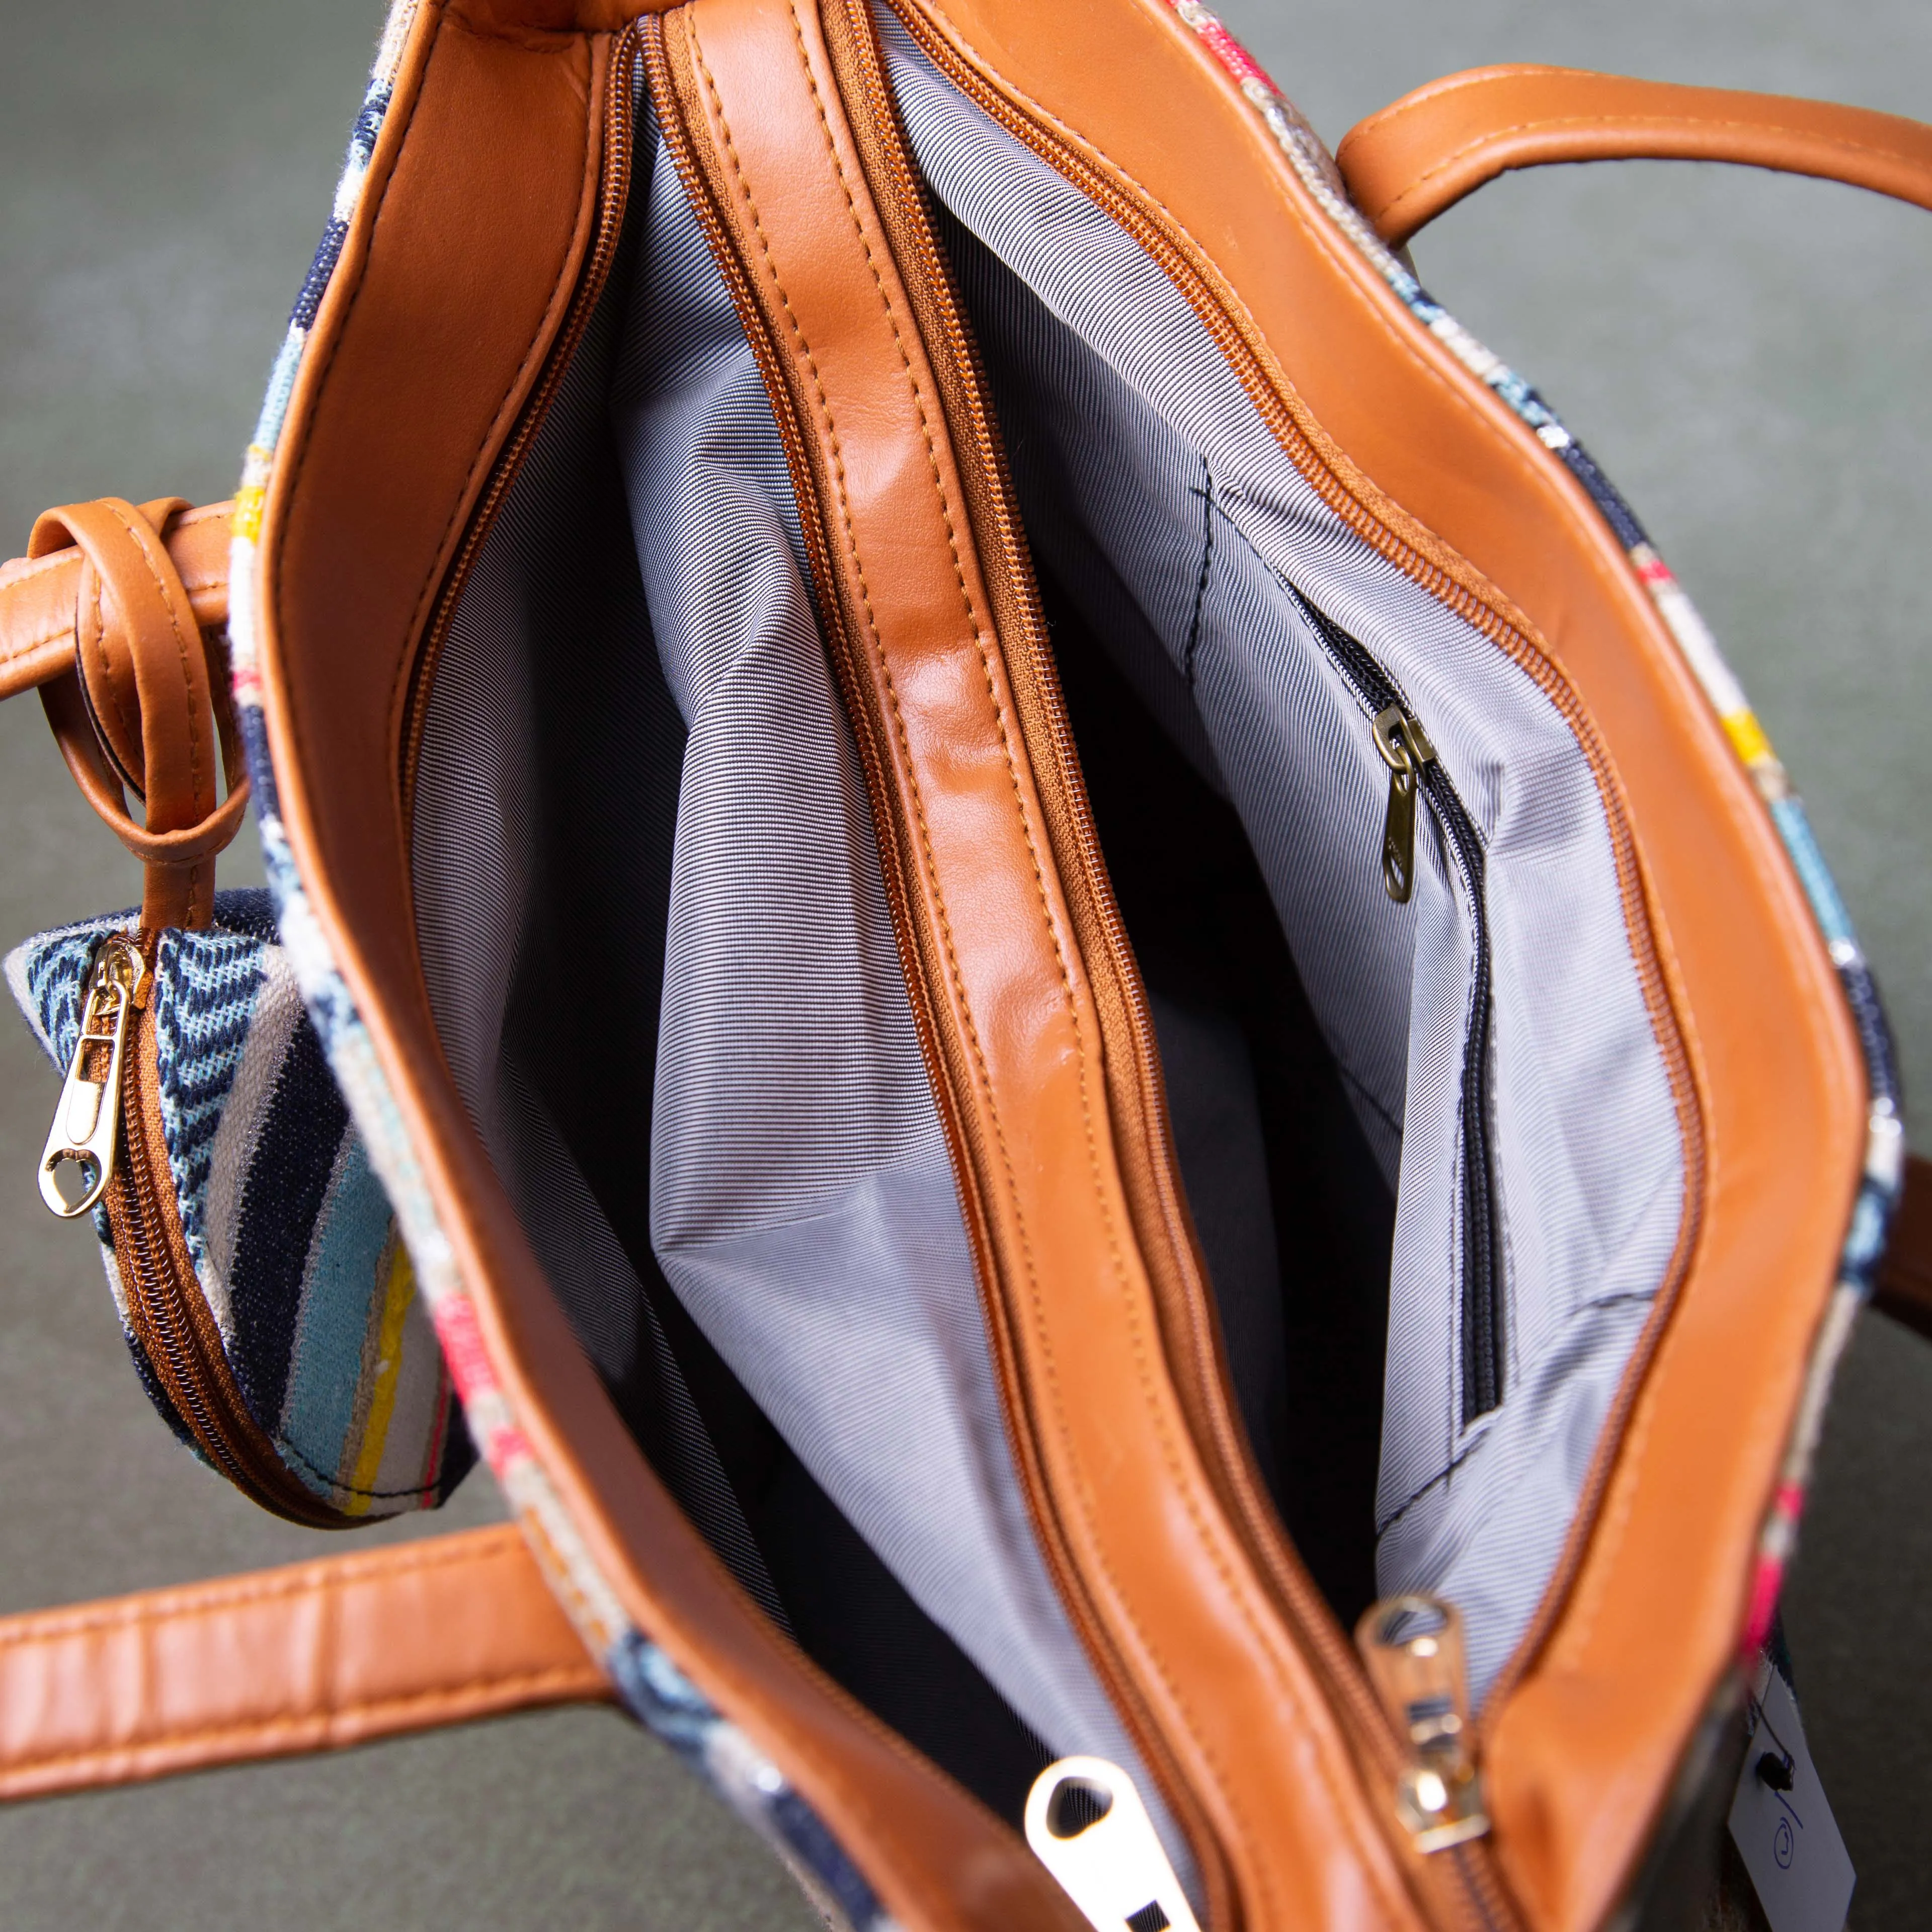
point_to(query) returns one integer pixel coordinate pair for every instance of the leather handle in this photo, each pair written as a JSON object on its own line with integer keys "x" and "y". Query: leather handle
{"x": 39, "y": 597}
{"x": 116, "y": 613}
{"x": 310, "y": 1658}
{"x": 1405, "y": 165}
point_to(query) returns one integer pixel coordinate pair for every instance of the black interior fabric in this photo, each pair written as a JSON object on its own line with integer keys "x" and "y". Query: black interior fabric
{"x": 579, "y": 1049}
{"x": 1305, "y": 1331}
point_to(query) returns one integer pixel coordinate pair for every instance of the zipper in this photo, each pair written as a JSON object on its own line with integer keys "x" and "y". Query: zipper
{"x": 109, "y": 1123}
{"x": 1414, "y": 768}
{"x": 613, "y": 198}
{"x": 1413, "y": 1650}
{"x": 1474, "y": 1895}
{"x": 85, "y": 1137}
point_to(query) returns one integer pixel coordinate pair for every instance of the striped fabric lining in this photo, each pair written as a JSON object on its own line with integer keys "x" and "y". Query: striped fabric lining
{"x": 291, "y": 1240}
{"x": 802, "y": 1206}
{"x": 1168, "y": 509}
{"x": 652, "y": 1684}
{"x": 1884, "y": 1169}
{"x": 655, "y": 1691}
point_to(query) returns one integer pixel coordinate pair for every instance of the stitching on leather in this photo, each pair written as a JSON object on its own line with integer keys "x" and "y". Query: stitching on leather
{"x": 1541, "y": 123}
{"x": 189, "y": 1602}
{"x": 1135, "y": 1328}
{"x": 675, "y": 121}
{"x": 478, "y": 1694}
{"x": 1294, "y": 203}
{"x": 512, "y": 403}
{"x": 27, "y": 647}
{"x": 90, "y": 577}
{"x": 181, "y": 647}
{"x": 885, "y": 672}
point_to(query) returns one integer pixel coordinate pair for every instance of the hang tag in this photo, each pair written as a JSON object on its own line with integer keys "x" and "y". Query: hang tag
{"x": 1783, "y": 1827}
{"x": 1087, "y": 1825}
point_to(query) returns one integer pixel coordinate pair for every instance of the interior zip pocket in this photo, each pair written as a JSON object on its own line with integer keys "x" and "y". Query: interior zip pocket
{"x": 1414, "y": 768}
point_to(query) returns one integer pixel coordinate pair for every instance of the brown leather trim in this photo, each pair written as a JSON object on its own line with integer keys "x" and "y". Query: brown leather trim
{"x": 1422, "y": 155}
{"x": 142, "y": 665}
{"x": 38, "y": 597}
{"x": 1904, "y": 1290}
{"x": 310, "y": 1658}
{"x": 1580, "y": 1754}
{"x": 455, "y": 276}
{"x": 1136, "y": 1094}
{"x": 1186, "y": 1632}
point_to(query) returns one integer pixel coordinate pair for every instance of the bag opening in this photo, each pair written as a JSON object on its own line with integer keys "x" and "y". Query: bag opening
{"x": 662, "y": 962}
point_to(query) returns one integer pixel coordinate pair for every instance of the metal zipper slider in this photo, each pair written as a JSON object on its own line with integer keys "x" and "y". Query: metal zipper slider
{"x": 1087, "y": 1825}
{"x": 87, "y": 1123}
{"x": 1406, "y": 749}
{"x": 1413, "y": 1647}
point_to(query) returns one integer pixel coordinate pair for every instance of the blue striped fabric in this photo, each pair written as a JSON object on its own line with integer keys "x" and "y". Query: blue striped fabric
{"x": 291, "y": 1238}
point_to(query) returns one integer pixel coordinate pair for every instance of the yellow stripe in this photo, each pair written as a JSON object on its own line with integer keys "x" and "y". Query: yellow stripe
{"x": 245, "y": 520}
{"x": 1748, "y": 736}
{"x": 382, "y": 1396}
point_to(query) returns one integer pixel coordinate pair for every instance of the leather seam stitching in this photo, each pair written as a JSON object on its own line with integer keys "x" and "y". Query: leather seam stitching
{"x": 1540, "y": 123}
{"x": 181, "y": 651}
{"x": 194, "y": 1602}
{"x": 476, "y": 1691}
{"x": 504, "y": 418}
{"x": 1139, "y": 1339}
{"x": 912, "y": 783}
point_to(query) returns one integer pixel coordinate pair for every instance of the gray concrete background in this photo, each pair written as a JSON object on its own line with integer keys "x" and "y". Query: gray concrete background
{"x": 1744, "y": 354}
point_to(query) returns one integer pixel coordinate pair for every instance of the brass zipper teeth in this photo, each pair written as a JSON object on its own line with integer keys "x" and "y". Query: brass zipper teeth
{"x": 196, "y": 1376}
{"x": 1325, "y": 1635}
{"x": 1516, "y": 644}
{"x": 613, "y": 197}
{"x": 898, "y": 897}
{"x": 1009, "y": 533}
{"x": 1308, "y": 1613}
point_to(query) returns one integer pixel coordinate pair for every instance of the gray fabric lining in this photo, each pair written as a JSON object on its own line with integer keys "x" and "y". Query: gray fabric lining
{"x": 1131, "y": 440}
{"x": 802, "y": 1203}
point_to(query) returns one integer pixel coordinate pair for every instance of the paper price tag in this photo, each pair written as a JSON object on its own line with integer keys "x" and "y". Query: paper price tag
{"x": 1783, "y": 1828}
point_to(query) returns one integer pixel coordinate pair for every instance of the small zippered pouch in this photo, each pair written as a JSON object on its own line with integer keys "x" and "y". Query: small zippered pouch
{"x": 270, "y": 1308}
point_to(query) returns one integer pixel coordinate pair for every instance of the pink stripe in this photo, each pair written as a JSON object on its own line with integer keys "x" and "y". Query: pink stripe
{"x": 1229, "y": 52}
{"x": 1765, "y": 1587}
{"x": 1655, "y": 570}
{"x": 506, "y": 1446}
{"x": 462, "y": 1347}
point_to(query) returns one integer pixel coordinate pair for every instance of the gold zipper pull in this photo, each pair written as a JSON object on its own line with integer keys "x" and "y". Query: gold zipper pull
{"x": 1413, "y": 1647}
{"x": 1406, "y": 749}
{"x": 1088, "y": 1825}
{"x": 87, "y": 1123}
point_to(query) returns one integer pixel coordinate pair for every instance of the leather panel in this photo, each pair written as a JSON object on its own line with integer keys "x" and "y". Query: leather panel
{"x": 1422, "y": 155}
{"x": 1579, "y": 1754}
{"x": 310, "y": 1658}
{"x": 454, "y": 276}
{"x": 1180, "y": 1622}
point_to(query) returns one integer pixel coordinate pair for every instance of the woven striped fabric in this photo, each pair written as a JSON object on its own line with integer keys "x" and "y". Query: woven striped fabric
{"x": 291, "y": 1236}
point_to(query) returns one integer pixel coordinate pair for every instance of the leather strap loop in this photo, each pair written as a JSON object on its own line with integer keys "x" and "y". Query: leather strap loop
{"x": 145, "y": 703}
{"x": 309, "y": 1657}
{"x": 1406, "y": 164}
{"x": 39, "y": 596}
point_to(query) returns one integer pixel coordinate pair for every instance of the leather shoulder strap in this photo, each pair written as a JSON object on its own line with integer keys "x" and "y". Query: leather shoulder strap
{"x": 306, "y": 1658}
{"x": 41, "y": 597}
{"x": 1405, "y": 165}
